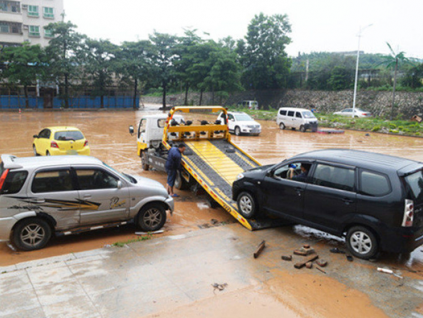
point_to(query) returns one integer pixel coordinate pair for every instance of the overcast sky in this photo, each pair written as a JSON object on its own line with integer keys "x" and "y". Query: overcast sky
{"x": 317, "y": 25}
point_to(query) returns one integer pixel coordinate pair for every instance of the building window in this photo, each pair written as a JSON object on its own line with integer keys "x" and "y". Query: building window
{"x": 33, "y": 11}
{"x": 48, "y": 33}
{"x": 3, "y": 6}
{"x": 4, "y": 28}
{"x": 48, "y": 13}
{"x": 34, "y": 30}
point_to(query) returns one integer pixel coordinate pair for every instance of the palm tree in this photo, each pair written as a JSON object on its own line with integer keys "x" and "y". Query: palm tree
{"x": 390, "y": 61}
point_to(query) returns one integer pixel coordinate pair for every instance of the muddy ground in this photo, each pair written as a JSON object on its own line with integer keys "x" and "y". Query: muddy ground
{"x": 300, "y": 293}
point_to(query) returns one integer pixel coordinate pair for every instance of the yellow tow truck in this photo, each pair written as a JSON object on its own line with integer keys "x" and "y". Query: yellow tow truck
{"x": 210, "y": 160}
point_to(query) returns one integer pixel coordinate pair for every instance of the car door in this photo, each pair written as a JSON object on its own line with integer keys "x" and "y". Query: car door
{"x": 42, "y": 143}
{"x": 282, "y": 195}
{"x": 297, "y": 121}
{"x": 231, "y": 122}
{"x": 330, "y": 198}
{"x": 103, "y": 196}
{"x": 54, "y": 192}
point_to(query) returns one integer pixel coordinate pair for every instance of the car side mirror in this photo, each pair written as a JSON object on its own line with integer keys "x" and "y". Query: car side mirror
{"x": 35, "y": 136}
{"x": 119, "y": 184}
{"x": 131, "y": 130}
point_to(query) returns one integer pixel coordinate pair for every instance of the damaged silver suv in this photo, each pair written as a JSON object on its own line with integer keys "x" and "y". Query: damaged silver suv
{"x": 64, "y": 195}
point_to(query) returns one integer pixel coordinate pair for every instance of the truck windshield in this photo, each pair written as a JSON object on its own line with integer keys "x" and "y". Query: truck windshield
{"x": 415, "y": 184}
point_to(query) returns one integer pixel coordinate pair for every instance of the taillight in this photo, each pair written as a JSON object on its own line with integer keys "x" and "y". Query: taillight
{"x": 3, "y": 177}
{"x": 54, "y": 144}
{"x": 86, "y": 143}
{"x": 408, "y": 218}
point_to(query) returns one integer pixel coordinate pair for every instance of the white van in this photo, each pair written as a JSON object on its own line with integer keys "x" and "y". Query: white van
{"x": 296, "y": 118}
{"x": 250, "y": 104}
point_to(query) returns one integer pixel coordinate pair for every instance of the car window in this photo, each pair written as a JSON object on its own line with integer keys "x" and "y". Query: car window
{"x": 90, "y": 179}
{"x": 161, "y": 122}
{"x": 298, "y": 115}
{"x": 14, "y": 182}
{"x": 291, "y": 113}
{"x": 243, "y": 117}
{"x": 45, "y": 133}
{"x": 415, "y": 184}
{"x": 52, "y": 181}
{"x": 230, "y": 116}
{"x": 293, "y": 171}
{"x": 283, "y": 112}
{"x": 374, "y": 184}
{"x": 68, "y": 135}
{"x": 334, "y": 177}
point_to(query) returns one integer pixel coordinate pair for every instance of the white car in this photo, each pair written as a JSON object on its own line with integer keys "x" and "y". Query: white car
{"x": 357, "y": 113}
{"x": 241, "y": 123}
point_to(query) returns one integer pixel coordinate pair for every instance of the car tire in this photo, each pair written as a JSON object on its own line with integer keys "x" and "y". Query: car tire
{"x": 302, "y": 128}
{"x": 282, "y": 126}
{"x": 31, "y": 234}
{"x": 362, "y": 242}
{"x": 35, "y": 150}
{"x": 246, "y": 205}
{"x": 151, "y": 217}
{"x": 237, "y": 131}
{"x": 144, "y": 165}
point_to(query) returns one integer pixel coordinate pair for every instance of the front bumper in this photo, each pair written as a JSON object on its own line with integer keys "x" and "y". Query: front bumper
{"x": 251, "y": 131}
{"x": 312, "y": 126}
{"x": 170, "y": 203}
{"x": 6, "y": 225}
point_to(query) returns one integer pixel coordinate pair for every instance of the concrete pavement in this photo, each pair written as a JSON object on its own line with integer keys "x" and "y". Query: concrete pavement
{"x": 167, "y": 273}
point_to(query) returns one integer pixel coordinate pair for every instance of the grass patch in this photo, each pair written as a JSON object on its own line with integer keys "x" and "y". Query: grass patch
{"x": 138, "y": 239}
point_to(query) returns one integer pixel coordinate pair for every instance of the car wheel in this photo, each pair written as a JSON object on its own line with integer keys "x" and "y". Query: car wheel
{"x": 361, "y": 242}
{"x": 302, "y": 128}
{"x": 31, "y": 234}
{"x": 152, "y": 217}
{"x": 47, "y": 153}
{"x": 282, "y": 126}
{"x": 246, "y": 205}
{"x": 237, "y": 131}
{"x": 35, "y": 150}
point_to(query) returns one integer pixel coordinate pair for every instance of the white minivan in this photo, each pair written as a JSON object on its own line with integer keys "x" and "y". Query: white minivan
{"x": 296, "y": 118}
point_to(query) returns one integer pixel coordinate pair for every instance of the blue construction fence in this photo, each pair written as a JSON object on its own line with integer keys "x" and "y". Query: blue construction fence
{"x": 81, "y": 102}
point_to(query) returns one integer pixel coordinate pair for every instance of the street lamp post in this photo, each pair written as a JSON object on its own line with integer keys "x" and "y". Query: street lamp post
{"x": 356, "y": 66}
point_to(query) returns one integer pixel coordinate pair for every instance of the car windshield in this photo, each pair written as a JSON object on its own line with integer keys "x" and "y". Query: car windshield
{"x": 308, "y": 114}
{"x": 243, "y": 117}
{"x": 68, "y": 135}
{"x": 123, "y": 175}
{"x": 415, "y": 183}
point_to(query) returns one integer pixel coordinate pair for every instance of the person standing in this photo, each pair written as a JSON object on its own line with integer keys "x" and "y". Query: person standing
{"x": 173, "y": 164}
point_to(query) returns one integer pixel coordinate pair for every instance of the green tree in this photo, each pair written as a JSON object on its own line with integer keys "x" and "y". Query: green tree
{"x": 340, "y": 78}
{"x": 24, "y": 64}
{"x": 133, "y": 62}
{"x": 63, "y": 55}
{"x": 163, "y": 60}
{"x": 100, "y": 65}
{"x": 414, "y": 77}
{"x": 266, "y": 64}
{"x": 392, "y": 61}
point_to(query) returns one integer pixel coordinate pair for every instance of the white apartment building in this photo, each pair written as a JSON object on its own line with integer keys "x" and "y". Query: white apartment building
{"x": 24, "y": 21}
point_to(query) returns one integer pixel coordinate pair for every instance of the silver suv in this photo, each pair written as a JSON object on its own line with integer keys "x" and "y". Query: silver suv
{"x": 71, "y": 194}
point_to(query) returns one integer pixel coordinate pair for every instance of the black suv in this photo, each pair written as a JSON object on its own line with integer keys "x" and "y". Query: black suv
{"x": 374, "y": 200}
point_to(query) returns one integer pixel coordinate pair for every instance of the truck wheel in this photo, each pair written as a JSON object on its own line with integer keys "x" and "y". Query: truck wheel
{"x": 361, "y": 242}
{"x": 151, "y": 217}
{"x": 302, "y": 128}
{"x": 237, "y": 131}
{"x": 246, "y": 205}
{"x": 144, "y": 165}
{"x": 180, "y": 182}
{"x": 31, "y": 234}
{"x": 282, "y": 126}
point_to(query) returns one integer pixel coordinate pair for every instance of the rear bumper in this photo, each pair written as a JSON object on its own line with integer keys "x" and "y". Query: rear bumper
{"x": 58, "y": 152}
{"x": 402, "y": 241}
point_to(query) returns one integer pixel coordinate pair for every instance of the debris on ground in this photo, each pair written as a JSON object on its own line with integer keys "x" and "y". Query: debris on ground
{"x": 309, "y": 265}
{"x": 349, "y": 258}
{"x": 287, "y": 258}
{"x": 260, "y": 248}
{"x": 219, "y": 287}
{"x": 145, "y": 233}
{"x": 305, "y": 250}
{"x": 321, "y": 262}
{"x": 318, "y": 268}
{"x": 308, "y": 259}
{"x": 416, "y": 118}
{"x": 388, "y": 271}
{"x": 336, "y": 250}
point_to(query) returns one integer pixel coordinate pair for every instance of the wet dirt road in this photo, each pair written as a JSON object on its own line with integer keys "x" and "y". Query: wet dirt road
{"x": 107, "y": 133}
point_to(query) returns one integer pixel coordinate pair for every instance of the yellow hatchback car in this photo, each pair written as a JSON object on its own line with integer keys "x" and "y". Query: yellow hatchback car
{"x": 61, "y": 140}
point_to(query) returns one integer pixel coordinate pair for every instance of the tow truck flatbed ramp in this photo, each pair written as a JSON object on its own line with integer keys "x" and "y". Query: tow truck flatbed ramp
{"x": 215, "y": 164}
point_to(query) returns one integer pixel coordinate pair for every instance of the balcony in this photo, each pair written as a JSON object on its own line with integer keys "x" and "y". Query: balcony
{"x": 10, "y": 16}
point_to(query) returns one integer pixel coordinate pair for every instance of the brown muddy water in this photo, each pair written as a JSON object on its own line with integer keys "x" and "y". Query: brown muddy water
{"x": 110, "y": 141}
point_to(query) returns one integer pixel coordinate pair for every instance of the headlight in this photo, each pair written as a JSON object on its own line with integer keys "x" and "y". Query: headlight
{"x": 240, "y": 176}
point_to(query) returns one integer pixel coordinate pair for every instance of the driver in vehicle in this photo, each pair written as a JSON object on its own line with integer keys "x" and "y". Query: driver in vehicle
{"x": 299, "y": 177}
